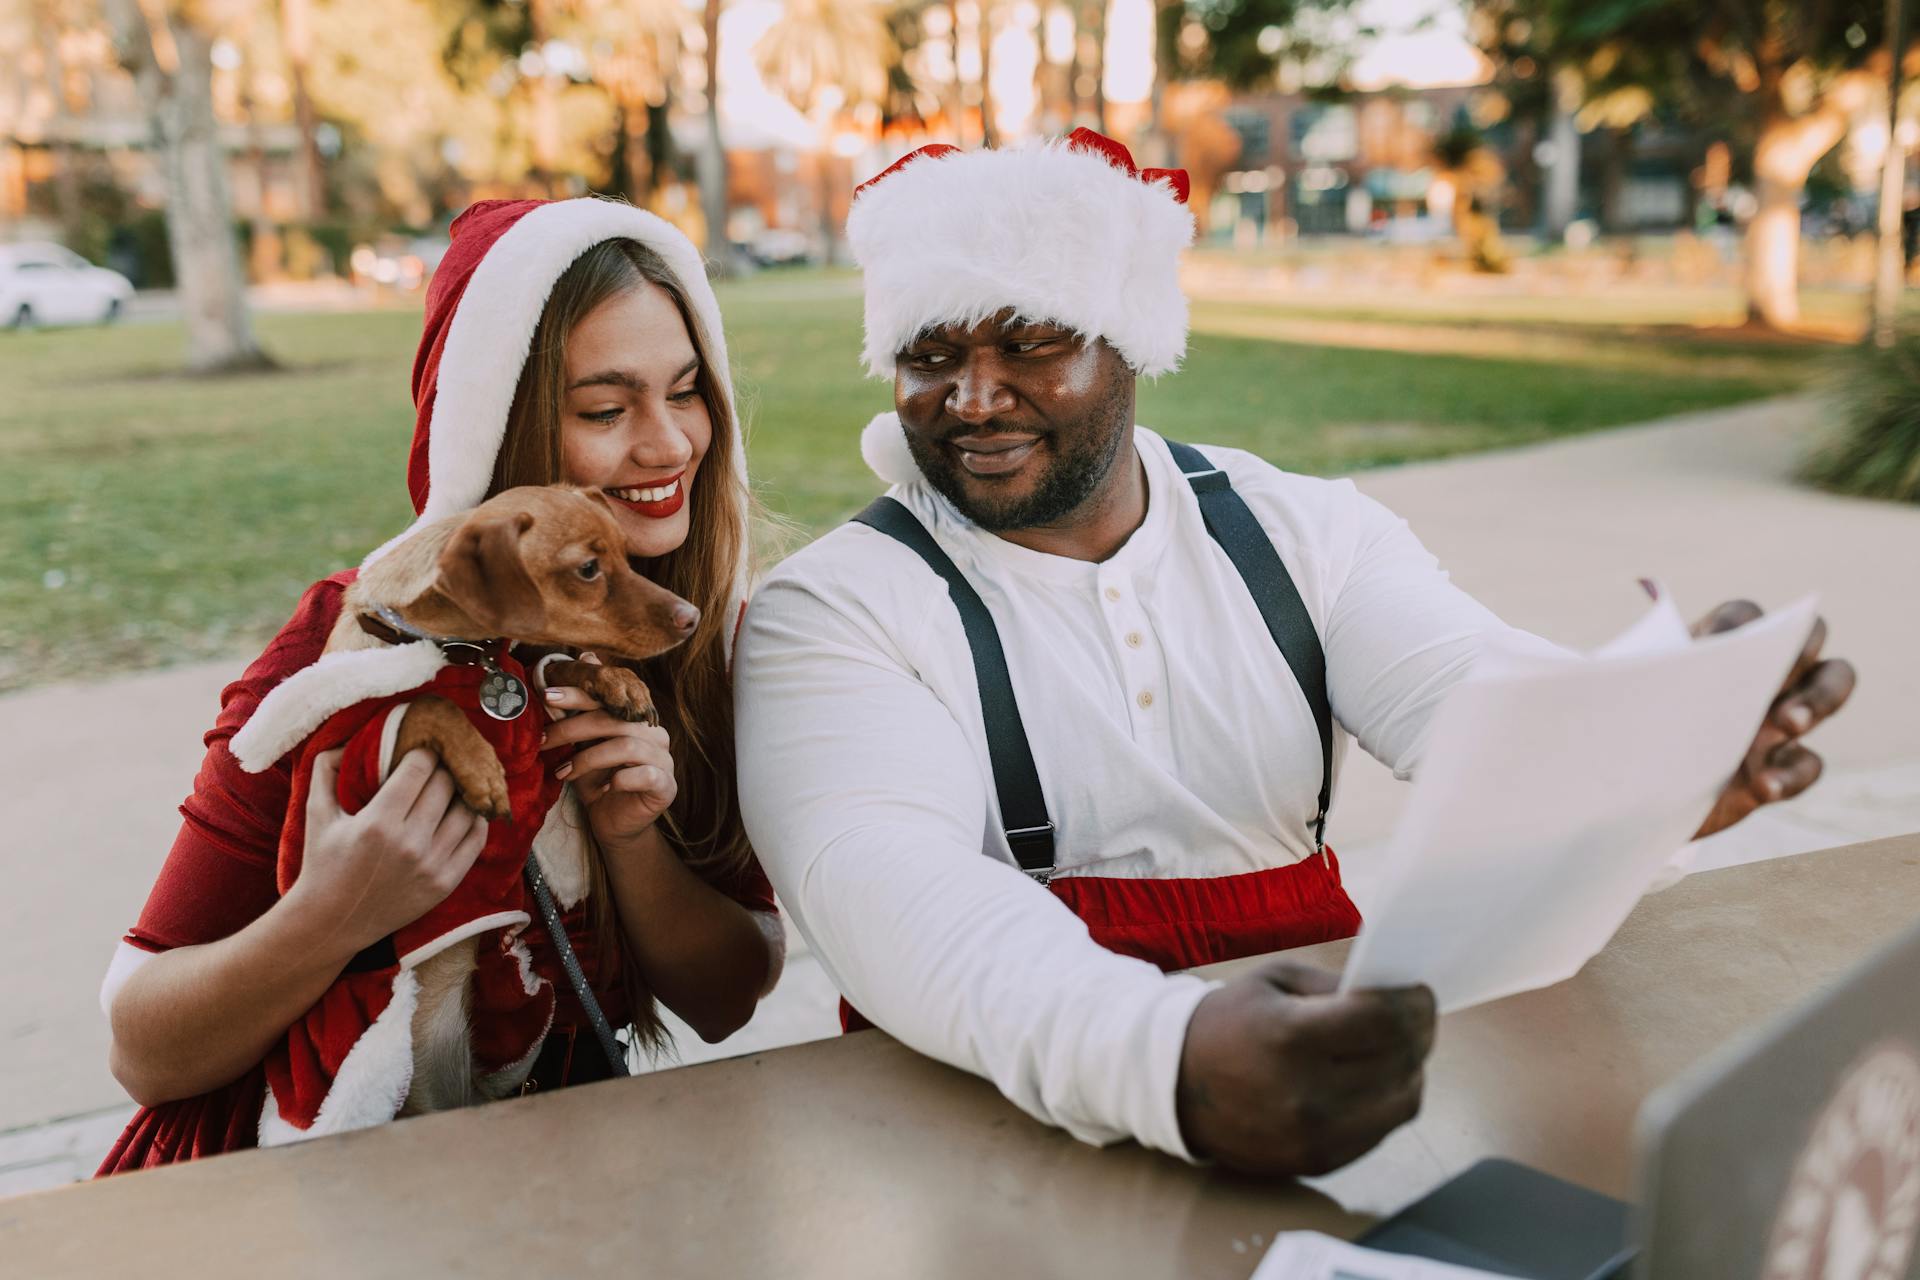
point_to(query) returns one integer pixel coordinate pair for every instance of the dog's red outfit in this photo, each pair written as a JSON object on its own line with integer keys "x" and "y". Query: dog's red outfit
{"x": 512, "y": 1005}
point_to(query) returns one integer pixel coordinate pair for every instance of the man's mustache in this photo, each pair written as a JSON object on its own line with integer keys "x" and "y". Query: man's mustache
{"x": 947, "y": 434}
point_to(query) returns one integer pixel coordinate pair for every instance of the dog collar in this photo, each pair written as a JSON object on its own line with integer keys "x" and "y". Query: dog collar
{"x": 503, "y": 695}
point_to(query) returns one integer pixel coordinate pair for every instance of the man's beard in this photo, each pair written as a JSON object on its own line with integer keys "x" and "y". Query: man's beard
{"x": 1069, "y": 480}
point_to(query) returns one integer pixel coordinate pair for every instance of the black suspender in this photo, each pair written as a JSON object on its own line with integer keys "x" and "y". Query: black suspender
{"x": 1023, "y": 807}
{"x": 1239, "y": 534}
{"x": 1016, "y": 783}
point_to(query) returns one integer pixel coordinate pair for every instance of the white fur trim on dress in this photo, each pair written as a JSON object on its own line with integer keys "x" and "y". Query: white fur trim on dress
{"x": 884, "y": 445}
{"x": 304, "y": 700}
{"x": 372, "y": 1083}
{"x": 774, "y": 933}
{"x": 1054, "y": 233}
{"x": 127, "y": 961}
{"x": 465, "y": 929}
{"x": 563, "y": 847}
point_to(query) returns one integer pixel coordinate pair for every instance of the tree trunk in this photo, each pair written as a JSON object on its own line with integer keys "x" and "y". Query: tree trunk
{"x": 1561, "y": 200}
{"x": 1042, "y": 69}
{"x": 1785, "y": 154}
{"x": 543, "y": 93}
{"x": 1773, "y": 257}
{"x": 983, "y": 34}
{"x": 829, "y": 234}
{"x": 298, "y": 32}
{"x": 66, "y": 172}
{"x": 713, "y": 157}
{"x": 953, "y": 101}
{"x": 1613, "y": 180}
{"x": 1074, "y": 67}
{"x": 1100, "y": 65}
{"x": 172, "y": 67}
{"x": 1159, "y": 147}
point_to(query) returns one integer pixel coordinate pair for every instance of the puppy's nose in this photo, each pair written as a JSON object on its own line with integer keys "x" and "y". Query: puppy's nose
{"x": 685, "y": 618}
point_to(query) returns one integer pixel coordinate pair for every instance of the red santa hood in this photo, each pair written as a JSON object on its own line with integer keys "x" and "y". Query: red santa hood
{"x": 482, "y": 308}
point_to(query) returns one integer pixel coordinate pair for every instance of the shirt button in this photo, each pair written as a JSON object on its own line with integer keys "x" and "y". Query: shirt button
{"x": 1113, "y": 593}
{"x": 1145, "y": 699}
{"x": 1133, "y": 639}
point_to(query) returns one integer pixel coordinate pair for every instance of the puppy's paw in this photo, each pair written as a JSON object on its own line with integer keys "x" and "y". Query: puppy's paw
{"x": 439, "y": 726}
{"x": 483, "y": 788}
{"x": 624, "y": 694}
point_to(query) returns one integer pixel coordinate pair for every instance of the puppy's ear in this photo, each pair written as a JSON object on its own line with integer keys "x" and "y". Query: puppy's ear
{"x": 483, "y": 573}
{"x": 608, "y": 505}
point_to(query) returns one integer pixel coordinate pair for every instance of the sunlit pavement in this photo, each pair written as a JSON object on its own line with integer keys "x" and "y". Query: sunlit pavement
{"x": 1552, "y": 537}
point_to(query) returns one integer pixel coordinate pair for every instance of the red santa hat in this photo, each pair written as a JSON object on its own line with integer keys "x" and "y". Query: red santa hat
{"x": 1069, "y": 231}
{"x": 483, "y": 305}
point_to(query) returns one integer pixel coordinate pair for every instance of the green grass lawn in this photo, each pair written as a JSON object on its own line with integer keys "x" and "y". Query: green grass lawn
{"x": 148, "y": 518}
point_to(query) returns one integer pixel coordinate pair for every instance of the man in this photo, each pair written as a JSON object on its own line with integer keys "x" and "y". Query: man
{"x": 1168, "y": 706}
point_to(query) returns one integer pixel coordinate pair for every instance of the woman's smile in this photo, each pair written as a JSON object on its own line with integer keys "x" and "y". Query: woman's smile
{"x": 656, "y": 502}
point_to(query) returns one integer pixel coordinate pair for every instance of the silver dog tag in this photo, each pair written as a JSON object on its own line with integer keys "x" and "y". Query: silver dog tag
{"x": 502, "y": 696}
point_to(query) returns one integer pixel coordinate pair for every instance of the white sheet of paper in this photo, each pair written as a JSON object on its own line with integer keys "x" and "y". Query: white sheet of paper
{"x": 1308, "y": 1255}
{"x": 1551, "y": 794}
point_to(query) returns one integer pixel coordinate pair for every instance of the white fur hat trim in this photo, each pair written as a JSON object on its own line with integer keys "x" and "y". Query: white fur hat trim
{"x": 1055, "y": 233}
{"x": 884, "y": 445}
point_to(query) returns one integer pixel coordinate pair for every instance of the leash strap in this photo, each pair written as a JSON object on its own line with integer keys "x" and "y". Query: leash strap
{"x": 550, "y": 916}
{"x": 1234, "y": 526}
{"x": 1023, "y": 806}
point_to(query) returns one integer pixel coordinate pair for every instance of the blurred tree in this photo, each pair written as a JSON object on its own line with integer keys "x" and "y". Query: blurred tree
{"x": 48, "y": 21}
{"x": 1785, "y": 78}
{"x": 983, "y": 40}
{"x": 713, "y": 154}
{"x": 826, "y": 56}
{"x": 1240, "y": 43}
{"x": 634, "y": 48}
{"x": 1094, "y": 14}
{"x": 169, "y": 52}
{"x": 906, "y": 25}
{"x": 296, "y": 37}
{"x": 1471, "y": 174}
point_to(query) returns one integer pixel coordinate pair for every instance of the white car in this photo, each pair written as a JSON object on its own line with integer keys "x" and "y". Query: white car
{"x": 47, "y": 284}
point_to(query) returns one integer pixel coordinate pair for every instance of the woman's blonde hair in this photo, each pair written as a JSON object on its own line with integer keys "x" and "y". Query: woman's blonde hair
{"x": 692, "y": 690}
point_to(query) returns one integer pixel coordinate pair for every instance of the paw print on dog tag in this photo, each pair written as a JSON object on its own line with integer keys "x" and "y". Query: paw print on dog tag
{"x": 502, "y": 696}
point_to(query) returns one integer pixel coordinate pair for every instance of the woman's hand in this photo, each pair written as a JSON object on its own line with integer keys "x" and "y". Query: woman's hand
{"x": 363, "y": 875}
{"x": 622, "y": 771}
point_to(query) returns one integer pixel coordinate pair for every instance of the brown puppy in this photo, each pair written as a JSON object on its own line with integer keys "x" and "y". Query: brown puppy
{"x": 537, "y": 566}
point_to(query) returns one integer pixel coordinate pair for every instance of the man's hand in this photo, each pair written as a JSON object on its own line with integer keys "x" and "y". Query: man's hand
{"x": 1281, "y": 1076}
{"x": 1778, "y": 766}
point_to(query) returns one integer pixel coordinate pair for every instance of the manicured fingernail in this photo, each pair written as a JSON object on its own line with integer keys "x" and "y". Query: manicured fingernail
{"x": 553, "y": 695}
{"x": 1799, "y": 718}
{"x": 1771, "y": 786}
{"x": 563, "y": 770}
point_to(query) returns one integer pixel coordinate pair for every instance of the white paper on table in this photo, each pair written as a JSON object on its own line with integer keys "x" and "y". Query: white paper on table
{"x": 1308, "y": 1255}
{"x": 1552, "y": 792}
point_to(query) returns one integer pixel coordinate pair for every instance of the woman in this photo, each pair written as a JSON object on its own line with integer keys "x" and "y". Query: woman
{"x": 571, "y": 341}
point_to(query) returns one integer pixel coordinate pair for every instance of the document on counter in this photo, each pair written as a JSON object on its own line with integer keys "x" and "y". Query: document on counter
{"x": 1551, "y": 794}
{"x": 1308, "y": 1255}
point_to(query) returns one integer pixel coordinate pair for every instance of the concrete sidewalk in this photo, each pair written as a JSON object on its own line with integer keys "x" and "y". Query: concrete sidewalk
{"x": 1551, "y": 537}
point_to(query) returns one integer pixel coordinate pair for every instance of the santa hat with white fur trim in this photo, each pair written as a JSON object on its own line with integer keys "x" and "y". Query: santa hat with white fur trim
{"x": 1067, "y": 231}
{"x": 483, "y": 306}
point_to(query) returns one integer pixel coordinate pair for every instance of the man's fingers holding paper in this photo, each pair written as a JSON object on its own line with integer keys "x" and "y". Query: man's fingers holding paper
{"x": 1813, "y": 693}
